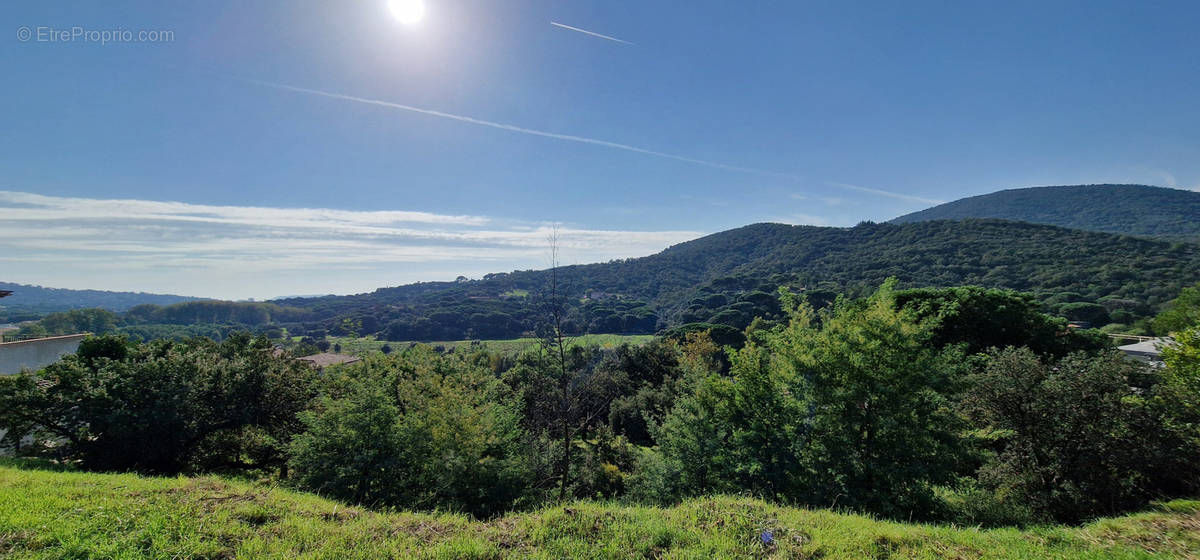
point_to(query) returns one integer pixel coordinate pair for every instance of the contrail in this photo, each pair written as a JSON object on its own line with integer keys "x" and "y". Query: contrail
{"x": 572, "y": 138}
{"x": 885, "y": 193}
{"x": 592, "y": 33}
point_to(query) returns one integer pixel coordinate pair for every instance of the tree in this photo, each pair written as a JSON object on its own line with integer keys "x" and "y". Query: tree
{"x": 352, "y": 449}
{"x": 1084, "y": 311}
{"x": 95, "y": 321}
{"x": 880, "y": 432}
{"x": 163, "y": 407}
{"x": 738, "y": 433}
{"x": 1079, "y": 437}
{"x": 984, "y": 318}
{"x": 564, "y": 393}
{"x": 846, "y": 406}
{"x": 1183, "y": 368}
{"x": 1181, "y": 313}
{"x": 416, "y": 430}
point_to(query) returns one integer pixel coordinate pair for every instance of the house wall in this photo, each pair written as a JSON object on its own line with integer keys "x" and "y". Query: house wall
{"x": 36, "y": 353}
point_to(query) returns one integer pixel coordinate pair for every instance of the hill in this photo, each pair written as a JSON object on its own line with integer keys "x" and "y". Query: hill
{"x": 1128, "y": 209}
{"x": 47, "y": 514}
{"x": 28, "y": 299}
{"x": 729, "y": 278}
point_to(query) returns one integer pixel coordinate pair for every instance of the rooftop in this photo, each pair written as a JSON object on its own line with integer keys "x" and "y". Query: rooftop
{"x": 1151, "y": 349}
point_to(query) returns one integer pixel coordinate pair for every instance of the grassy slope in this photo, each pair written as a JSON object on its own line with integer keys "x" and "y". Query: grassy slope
{"x": 81, "y": 515}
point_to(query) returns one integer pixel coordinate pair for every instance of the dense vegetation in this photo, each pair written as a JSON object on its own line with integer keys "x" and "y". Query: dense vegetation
{"x": 45, "y": 515}
{"x": 32, "y": 301}
{"x": 889, "y": 404}
{"x": 728, "y": 279}
{"x": 1127, "y": 209}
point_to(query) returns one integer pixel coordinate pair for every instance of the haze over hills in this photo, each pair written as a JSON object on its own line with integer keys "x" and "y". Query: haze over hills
{"x": 1128, "y": 209}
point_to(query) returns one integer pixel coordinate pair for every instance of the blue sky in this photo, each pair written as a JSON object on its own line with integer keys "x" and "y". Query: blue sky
{"x": 280, "y": 148}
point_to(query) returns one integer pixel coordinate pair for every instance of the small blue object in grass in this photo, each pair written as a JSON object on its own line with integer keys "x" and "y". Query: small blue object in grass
{"x": 766, "y": 537}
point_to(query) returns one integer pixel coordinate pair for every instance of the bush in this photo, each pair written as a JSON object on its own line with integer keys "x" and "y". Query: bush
{"x": 162, "y": 407}
{"x": 1080, "y": 437}
{"x": 852, "y": 411}
{"x": 415, "y": 430}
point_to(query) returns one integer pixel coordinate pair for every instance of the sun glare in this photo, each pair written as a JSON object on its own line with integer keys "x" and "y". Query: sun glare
{"x": 408, "y": 12}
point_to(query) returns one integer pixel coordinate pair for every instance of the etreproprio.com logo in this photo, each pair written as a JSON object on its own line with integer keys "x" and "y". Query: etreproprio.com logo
{"x": 80, "y": 34}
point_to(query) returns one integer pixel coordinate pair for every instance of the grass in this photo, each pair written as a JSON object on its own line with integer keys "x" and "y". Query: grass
{"x": 359, "y": 346}
{"x": 46, "y": 514}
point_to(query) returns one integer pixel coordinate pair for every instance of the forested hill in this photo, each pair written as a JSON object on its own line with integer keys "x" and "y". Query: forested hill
{"x": 728, "y": 278}
{"x": 36, "y": 299}
{"x": 1128, "y": 209}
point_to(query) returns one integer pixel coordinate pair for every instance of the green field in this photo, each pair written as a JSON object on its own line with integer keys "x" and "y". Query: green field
{"x": 46, "y": 514}
{"x": 368, "y": 345}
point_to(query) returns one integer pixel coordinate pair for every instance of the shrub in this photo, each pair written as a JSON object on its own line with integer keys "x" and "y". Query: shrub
{"x": 1079, "y": 437}
{"x": 415, "y": 430}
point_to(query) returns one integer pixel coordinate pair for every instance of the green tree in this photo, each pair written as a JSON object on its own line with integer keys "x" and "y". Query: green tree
{"x": 95, "y": 321}
{"x": 846, "y": 406}
{"x": 352, "y": 449}
{"x": 417, "y": 430}
{"x": 984, "y": 318}
{"x": 1181, "y": 313}
{"x": 1183, "y": 368}
{"x": 881, "y": 433}
{"x": 1079, "y": 437}
{"x": 163, "y": 407}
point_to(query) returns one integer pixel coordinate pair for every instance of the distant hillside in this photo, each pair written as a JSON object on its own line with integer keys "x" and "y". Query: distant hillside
{"x": 1128, "y": 209}
{"x": 729, "y": 278}
{"x": 36, "y": 299}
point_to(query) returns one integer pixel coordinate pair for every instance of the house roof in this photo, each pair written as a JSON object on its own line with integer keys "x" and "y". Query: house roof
{"x": 325, "y": 359}
{"x": 1147, "y": 348}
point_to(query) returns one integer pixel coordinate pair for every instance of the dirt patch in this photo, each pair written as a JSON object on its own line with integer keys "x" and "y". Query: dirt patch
{"x": 340, "y": 515}
{"x": 14, "y": 541}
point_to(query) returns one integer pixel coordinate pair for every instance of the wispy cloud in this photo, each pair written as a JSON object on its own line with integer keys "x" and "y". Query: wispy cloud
{"x": 592, "y": 33}
{"x": 881, "y": 192}
{"x": 1168, "y": 179}
{"x": 809, "y": 220}
{"x": 578, "y": 139}
{"x": 523, "y": 130}
{"x": 183, "y": 244}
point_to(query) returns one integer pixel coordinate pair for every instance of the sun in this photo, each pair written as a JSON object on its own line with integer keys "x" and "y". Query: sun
{"x": 408, "y": 12}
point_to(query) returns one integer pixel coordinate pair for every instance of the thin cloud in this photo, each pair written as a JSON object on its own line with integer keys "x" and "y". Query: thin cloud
{"x": 575, "y": 138}
{"x": 592, "y": 33}
{"x": 523, "y": 130}
{"x": 809, "y": 220}
{"x": 29, "y": 206}
{"x": 239, "y": 251}
{"x": 879, "y": 192}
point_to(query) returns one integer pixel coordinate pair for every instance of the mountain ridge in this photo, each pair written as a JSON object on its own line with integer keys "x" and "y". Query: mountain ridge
{"x": 33, "y": 299}
{"x": 1112, "y": 208}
